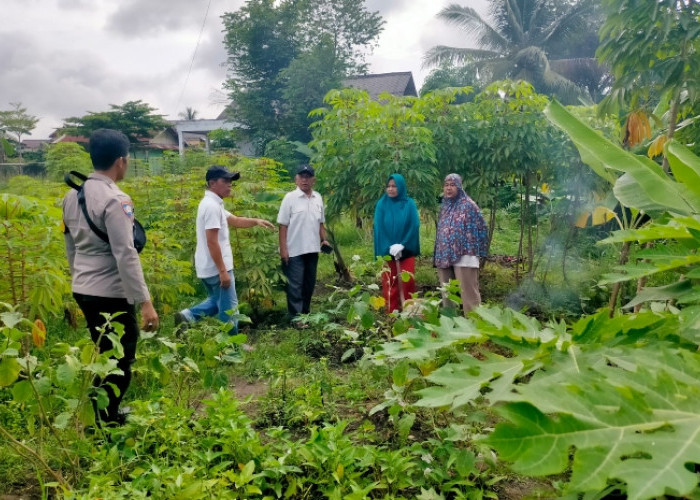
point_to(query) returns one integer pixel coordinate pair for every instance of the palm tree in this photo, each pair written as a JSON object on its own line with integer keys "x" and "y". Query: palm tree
{"x": 188, "y": 114}
{"x": 517, "y": 44}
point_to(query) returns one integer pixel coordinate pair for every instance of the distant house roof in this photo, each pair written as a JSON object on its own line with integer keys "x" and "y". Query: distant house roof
{"x": 398, "y": 84}
{"x": 55, "y": 138}
{"x": 33, "y": 144}
{"x": 168, "y": 139}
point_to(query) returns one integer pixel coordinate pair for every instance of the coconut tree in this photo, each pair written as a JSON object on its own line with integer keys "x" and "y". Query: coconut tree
{"x": 188, "y": 114}
{"x": 521, "y": 39}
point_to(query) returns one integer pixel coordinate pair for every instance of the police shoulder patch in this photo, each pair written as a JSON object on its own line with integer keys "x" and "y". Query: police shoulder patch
{"x": 128, "y": 208}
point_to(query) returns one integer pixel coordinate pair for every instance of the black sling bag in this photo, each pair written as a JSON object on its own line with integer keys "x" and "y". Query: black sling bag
{"x": 139, "y": 231}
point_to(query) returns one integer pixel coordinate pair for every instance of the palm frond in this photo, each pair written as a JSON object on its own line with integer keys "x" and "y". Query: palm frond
{"x": 532, "y": 65}
{"x": 442, "y": 54}
{"x": 573, "y": 16}
{"x": 584, "y": 72}
{"x": 512, "y": 19}
{"x": 579, "y": 67}
{"x": 564, "y": 89}
{"x": 539, "y": 18}
{"x": 468, "y": 20}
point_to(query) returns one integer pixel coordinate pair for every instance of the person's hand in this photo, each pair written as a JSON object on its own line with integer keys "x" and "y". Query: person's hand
{"x": 284, "y": 253}
{"x": 265, "y": 223}
{"x": 149, "y": 317}
{"x": 224, "y": 279}
{"x": 395, "y": 250}
{"x": 326, "y": 247}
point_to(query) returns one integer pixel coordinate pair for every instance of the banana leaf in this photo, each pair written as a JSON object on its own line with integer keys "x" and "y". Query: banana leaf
{"x": 642, "y": 184}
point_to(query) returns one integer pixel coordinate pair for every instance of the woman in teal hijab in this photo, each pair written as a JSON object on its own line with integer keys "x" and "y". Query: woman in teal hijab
{"x": 396, "y": 235}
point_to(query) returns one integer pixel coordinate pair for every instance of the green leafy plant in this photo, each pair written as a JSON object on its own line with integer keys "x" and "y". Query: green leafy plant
{"x": 612, "y": 400}
{"x": 33, "y": 263}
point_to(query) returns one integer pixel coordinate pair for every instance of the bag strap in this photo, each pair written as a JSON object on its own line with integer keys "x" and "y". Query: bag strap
{"x": 81, "y": 201}
{"x": 71, "y": 182}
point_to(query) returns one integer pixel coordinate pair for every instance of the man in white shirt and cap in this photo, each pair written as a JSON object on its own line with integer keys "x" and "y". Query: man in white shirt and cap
{"x": 213, "y": 258}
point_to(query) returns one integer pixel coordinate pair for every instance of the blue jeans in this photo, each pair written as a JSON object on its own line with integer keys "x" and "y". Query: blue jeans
{"x": 220, "y": 303}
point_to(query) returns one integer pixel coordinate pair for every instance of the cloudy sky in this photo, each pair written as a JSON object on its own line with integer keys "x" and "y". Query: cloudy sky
{"x": 63, "y": 58}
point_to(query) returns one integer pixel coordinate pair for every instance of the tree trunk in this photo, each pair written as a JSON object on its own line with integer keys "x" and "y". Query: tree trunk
{"x": 340, "y": 267}
{"x": 624, "y": 255}
{"x": 492, "y": 222}
{"x": 522, "y": 232}
{"x": 530, "y": 251}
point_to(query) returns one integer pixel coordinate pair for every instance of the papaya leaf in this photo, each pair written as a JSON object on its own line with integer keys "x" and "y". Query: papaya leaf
{"x": 633, "y": 415}
{"x": 420, "y": 344}
{"x": 632, "y": 271}
{"x": 673, "y": 291}
{"x": 650, "y": 233}
{"x": 459, "y": 384}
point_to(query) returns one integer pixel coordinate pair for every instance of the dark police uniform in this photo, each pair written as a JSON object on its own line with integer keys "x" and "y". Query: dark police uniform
{"x": 106, "y": 277}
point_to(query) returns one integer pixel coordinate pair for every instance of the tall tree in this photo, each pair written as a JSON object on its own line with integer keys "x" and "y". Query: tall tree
{"x": 134, "y": 118}
{"x": 305, "y": 82}
{"x": 285, "y": 55}
{"x": 17, "y": 121}
{"x": 260, "y": 40}
{"x": 188, "y": 114}
{"x": 523, "y": 35}
{"x": 653, "y": 49}
{"x": 447, "y": 76}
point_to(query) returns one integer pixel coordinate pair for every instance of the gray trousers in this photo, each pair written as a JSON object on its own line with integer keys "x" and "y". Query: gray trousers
{"x": 468, "y": 278}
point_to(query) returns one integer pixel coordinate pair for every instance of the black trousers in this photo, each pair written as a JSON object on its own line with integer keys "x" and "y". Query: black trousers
{"x": 92, "y": 308}
{"x": 301, "y": 281}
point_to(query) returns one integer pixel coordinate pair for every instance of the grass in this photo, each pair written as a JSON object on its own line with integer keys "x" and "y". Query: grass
{"x": 296, "y": 380}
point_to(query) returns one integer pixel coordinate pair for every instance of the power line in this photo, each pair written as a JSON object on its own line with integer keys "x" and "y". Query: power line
{"x": 194, "y": 54}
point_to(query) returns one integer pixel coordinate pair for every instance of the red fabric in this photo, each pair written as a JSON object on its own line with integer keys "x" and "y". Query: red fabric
{"x": 390, "y": 283}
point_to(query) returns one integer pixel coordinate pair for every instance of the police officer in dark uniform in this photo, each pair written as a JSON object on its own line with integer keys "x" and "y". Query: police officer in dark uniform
{"x": 107, "y": 276}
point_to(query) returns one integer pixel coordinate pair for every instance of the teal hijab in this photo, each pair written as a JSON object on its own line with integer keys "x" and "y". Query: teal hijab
{"x": 396, "y": 221}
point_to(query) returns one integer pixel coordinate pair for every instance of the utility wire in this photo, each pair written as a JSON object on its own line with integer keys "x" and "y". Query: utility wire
{"x": 194, "y": 54}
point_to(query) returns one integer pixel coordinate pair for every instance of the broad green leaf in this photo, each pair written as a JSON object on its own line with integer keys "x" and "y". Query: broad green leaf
{"x": 191, "y": 364}
{"x": 420, "y": 344}
{"x": 633, "y": 416}
{"x": 87, "y": 353}
{"x": 465, "y": 461}
{"x": 668, "y": 292}
{"x": 632, "y": 271}
{"x": 62, "y": 420}
{"x": 684, "y": 165}
{"x": 66, "y": 372}
{"x": 367, "y": 320}
{"x": 644, "y": 185}
{"x": 679, "y": 228}
{"x": 405, "y": 424}
{"x": 631, "y": 194}
{"x": 459, "y": 384}
{"x": 400, "y": 373}
{"x": 22, "y": 391}
{"x": 9, "y": 370}
{"x": 11, "y": 318}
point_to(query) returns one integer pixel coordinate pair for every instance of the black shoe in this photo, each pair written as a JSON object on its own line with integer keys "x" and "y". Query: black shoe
{"x": 181, "y": 323}
{"x": 117, "y": 419}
